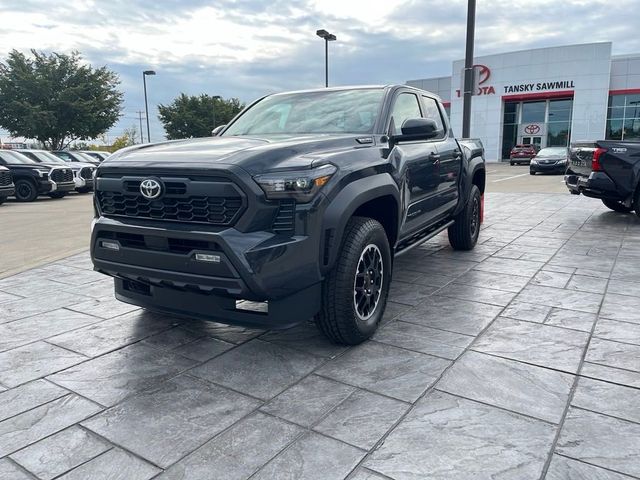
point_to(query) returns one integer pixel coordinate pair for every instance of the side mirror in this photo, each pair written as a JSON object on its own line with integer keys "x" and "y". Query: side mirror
{"x": 217, "y": 130}
{"x": 417, "y": 129}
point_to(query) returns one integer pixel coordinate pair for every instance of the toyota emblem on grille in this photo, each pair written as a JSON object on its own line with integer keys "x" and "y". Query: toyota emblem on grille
{"x": 150, "y": 188}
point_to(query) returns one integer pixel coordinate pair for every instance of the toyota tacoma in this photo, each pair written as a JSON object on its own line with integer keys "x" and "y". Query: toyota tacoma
{"x": 608, "y": 170}
{"x": 301, "y": 201}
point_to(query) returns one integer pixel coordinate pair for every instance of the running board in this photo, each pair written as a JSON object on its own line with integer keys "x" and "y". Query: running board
{"x": 422, "y": 237}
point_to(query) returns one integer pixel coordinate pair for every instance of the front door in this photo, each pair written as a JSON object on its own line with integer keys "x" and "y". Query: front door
{"x": 418, "y": 164}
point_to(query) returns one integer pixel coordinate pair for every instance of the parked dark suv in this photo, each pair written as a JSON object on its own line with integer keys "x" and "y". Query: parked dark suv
{"x": 7, "y": 188}
{"x": 32, "y": 179}
{"x": 302, "y": 202}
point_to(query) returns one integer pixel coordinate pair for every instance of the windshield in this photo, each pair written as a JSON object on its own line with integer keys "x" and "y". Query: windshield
{"x": 552, "y": 152}
{"x": 43, "y": 157}
{"x": 14, "y": 158}
{"x": 85, "y": 157}
{"x": 336, "y": 111}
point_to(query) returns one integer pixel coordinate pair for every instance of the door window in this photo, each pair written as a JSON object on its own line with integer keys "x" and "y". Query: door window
{"x": 405, "y": 107}
{"x": 432, "y": 112}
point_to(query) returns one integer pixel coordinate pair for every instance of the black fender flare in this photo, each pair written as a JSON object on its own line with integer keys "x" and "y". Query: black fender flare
{"x": 344, "y": 205}
{"x": 472, "y": 167}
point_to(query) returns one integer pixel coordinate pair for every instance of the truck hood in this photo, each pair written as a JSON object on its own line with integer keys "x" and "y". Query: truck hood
{"x": 253, "y": 154}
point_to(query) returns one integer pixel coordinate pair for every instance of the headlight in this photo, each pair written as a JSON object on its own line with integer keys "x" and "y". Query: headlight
{"x": 534, "y": 161}
{"x": 301, "y": 185}
{"x": 43, "y": 173}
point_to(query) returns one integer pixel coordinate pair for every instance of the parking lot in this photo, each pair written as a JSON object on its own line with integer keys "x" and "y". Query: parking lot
{"x": 517, "y": 360}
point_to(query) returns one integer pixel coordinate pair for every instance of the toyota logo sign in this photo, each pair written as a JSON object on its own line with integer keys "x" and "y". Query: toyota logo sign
{"x": 150, "y": 188}
{"x": 532, "y": 129}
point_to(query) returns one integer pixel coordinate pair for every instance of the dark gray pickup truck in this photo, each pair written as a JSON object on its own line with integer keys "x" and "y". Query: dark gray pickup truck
{"x": 301, "y": 202}
{"x": 608, "y": 170}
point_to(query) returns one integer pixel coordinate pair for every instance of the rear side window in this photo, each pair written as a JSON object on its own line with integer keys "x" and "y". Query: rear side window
{"x": 432, "y": 112}
{"x": 405, "y": 107}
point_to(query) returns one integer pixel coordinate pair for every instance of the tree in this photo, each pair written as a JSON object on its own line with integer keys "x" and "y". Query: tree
{"x": 195, "y": 116}
{"x": 127, "y": 139}
{"x": 56, "y": 99}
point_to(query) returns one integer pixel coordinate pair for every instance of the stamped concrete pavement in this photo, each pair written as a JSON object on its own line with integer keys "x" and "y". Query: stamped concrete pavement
{"x": 518, "y": 360}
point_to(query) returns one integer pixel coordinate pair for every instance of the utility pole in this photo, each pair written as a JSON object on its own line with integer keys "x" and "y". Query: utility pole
{"x": 468, "y": 70}
{"x": 140, "y": 118}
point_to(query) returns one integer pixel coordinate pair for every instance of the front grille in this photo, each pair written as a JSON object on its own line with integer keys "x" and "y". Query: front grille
{"x": 5, "y": 179}
{"x": 200, "y": 209}
{"x": 86, "y": 173}
{"x": 285, "y": 218}
{"x": 61, "y": 175}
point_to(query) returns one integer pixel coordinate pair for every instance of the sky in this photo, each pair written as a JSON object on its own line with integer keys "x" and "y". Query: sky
{"x": 249, "y": 48}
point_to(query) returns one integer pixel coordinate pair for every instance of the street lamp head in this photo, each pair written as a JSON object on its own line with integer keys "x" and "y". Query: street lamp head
{"x": 329, "y": 37}
{"x": 149, "y": 72}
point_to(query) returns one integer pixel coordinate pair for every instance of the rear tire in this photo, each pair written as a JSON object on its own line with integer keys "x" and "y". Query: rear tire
{"x": 511, "y": 163}
{"x": 636, "y": 202}
{"x": 616, "y": 206}
{"x": 26, "y": 191}
{"x": 57, "y": 194}
{"x": 463, "y": 234}
{"x": 2, "y": 200}
{"x": 83, "y": 190}
{"x": 354, "y": 294}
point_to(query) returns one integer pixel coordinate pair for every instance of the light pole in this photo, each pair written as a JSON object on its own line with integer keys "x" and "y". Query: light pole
{"x": 213, "y": 108}
{"x": 468, "y": 70}
{"x": 146, "y": 105}
{"x": 328, "y": 37}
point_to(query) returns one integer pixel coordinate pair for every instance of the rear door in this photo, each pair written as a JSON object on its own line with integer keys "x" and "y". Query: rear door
{"x": 449, "y": 162}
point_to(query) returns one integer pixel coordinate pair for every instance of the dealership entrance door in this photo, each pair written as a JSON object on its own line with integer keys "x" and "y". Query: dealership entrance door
{"x": 541, "y": 122}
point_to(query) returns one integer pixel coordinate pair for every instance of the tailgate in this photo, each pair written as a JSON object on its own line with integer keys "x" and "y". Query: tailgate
{"x": 580, "y": 156}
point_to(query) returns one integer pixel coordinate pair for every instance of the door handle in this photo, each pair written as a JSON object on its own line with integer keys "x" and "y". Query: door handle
{"x": 457, "y": 154}
{"x": 435, "y": 157}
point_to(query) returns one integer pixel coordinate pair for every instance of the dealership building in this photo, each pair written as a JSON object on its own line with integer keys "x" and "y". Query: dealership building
{"x": 546, "y": 96}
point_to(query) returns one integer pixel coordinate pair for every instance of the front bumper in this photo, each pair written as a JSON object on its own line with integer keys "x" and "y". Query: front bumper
{"x": 548, "y": 167}
{"x": 155, "y": 266}
{"x": 83, "y": 183}
{"x": 7, "y": 191}
{"x": 49, "y": 186}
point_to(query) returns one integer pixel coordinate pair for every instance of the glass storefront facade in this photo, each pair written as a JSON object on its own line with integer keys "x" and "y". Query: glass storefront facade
{"x": 623, "y": 117}
{"x": 554, "y": 114}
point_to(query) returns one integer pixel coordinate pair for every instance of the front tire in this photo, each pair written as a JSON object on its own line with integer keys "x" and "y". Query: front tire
{"x": 2, "y": 200}
{"x": 26, "y": 191}
{"x": 354, "y": 294}
{"x": 463, "y": 234}
{"x": 531, "y": 172}
{"x": 616, "y": 206}
{"x": 57, "y": 194}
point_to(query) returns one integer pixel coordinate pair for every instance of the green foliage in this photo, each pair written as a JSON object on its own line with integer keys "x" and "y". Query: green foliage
{"x": 195, "y": 116}
{"x": 127, "y": 139}
{"x": 57, "y": 99}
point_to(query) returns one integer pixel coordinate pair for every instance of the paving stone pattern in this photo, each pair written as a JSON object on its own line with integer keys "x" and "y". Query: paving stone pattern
{"x": 518, "y": 360}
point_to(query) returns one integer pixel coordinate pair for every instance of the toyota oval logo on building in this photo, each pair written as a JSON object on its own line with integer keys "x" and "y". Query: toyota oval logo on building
{"x": 483, "y": 72}
{"x": 150, "y": 188}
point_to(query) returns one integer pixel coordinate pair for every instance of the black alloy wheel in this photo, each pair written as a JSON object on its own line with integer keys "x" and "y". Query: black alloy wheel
{"x": 26, "y": 191}
{"x": 354, "y": 293}
{"x": 463, "y": 234}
